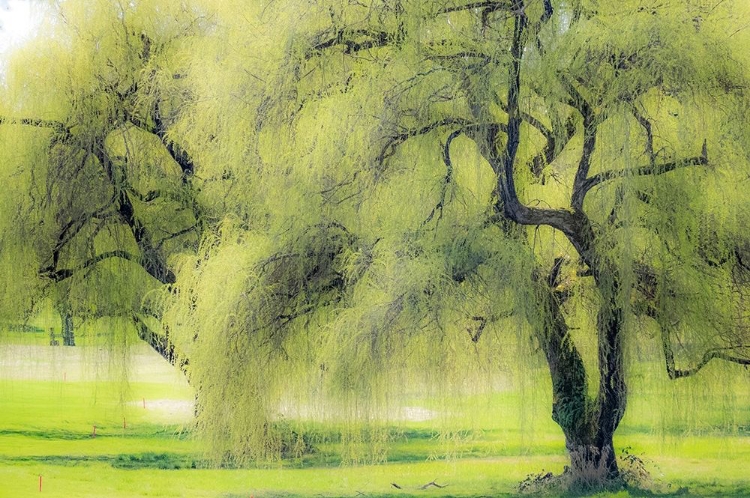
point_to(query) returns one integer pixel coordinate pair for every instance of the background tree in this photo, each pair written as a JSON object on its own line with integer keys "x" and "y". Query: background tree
{"x": 101, "y": 196}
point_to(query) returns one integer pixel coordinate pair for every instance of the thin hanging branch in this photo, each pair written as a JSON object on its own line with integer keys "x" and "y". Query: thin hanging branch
{"x": 646, "y": 124}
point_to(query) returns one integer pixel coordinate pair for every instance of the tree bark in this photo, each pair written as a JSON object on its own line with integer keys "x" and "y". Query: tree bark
{"x": 66, "y": 323}
{"x": 68, "y": 332}
{"x": 588, "y": 424}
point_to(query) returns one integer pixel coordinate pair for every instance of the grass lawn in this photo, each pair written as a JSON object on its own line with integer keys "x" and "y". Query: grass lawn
{"x": 51, "y": 398}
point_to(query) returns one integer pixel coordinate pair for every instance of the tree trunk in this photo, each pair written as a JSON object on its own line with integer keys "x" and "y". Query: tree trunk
{"x": 588, "y": 424}
{"x": 592, "y": 465}
{"x": 68, "y": 332}
{"x": 66, "y": 323}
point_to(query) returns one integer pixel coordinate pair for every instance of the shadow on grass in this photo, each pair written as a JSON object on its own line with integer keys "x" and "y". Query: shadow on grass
{"x": 160, "y": 461}
{"x": 628, "y": 492}
{"x": 143, "y": 431}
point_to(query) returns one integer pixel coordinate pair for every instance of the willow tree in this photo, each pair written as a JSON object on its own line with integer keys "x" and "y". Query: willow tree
{"x": 402, "y": 173}
{"x": 98, "y": 195}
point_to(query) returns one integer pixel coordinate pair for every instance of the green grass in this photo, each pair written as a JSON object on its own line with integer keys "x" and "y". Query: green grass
{"x": 47, "y": 421}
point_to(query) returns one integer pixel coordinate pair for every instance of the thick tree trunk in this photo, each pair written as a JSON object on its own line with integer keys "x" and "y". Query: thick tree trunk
{"x": 588, "y": 424}
{"x": 592, "y": 465}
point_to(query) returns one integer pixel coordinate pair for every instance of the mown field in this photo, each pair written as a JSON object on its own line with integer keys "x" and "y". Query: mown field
{"x": 94, "y": 424}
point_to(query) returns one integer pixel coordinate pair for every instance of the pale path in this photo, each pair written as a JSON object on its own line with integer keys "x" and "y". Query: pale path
{"x": 140, "y": 364}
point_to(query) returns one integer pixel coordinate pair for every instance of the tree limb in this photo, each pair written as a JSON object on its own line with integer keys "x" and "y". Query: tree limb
{"x": 589, "y": 143}
{"x": 56, "y": 126}
{"x": 573, "y": 224}
{"x": 475, "y": 335}
{"x": 716, "y": 353}
{"x": 650, "y": 170}
{"x": 552, "y": 148}
{"x": 646, "y": 124}
{"x": 491, "y": 5}
{"x": 58, "y": 275}
{"x": 178, "y": 154}
{"x": 433, "y": 483}
{"x": 647, "y": 284}
{"x": 160, "y": 343}
{"x": 346, "y": 38}
{"x": 395, "y": 140}
{"x": 176, "y": 234}
{"x": 548, "y": 11}
{"x": 463, "y": 56}
{"x": 149, "y": 196}
{"x": 447, "y": 179}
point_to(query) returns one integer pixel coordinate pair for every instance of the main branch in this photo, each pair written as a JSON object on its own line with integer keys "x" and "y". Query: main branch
{"x": 579, "y": 102}
{"x": 58, "y": 275}
{"x": 56, "y": 126}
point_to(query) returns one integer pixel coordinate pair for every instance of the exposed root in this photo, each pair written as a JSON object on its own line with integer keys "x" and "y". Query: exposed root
{"x": 633, "y": 476}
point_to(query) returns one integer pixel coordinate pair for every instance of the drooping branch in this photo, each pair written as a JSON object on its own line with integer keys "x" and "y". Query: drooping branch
{"x": 160, "y": 343}
{"x": 394, "y": 141}
{"x": 447, "y": 179}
